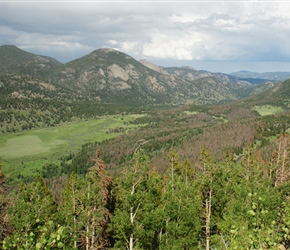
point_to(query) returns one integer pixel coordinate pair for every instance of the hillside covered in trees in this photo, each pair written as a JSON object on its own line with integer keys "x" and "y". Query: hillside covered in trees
{"x": 180, "y": 175}
{"x": 214, "y": 177}
{"x": 228, "y": 204}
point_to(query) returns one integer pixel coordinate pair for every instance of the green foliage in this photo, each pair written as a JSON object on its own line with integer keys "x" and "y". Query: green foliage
{"x": 181, "y": 204}
{"x": 268, "y": 110}
{"x": 195, "y": 199}
{"x": 84, "y": 209}
{"x": 46, "y": 236}
{"x": 136, "y": 218}
{"x": 247, "y": 206}
{"x": 34, "y": 204}
{"x": 228, "y": 204}
{"x": 33, "y": 217}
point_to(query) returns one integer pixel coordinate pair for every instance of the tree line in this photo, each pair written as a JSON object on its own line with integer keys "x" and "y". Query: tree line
{"x": 233, "y": 203}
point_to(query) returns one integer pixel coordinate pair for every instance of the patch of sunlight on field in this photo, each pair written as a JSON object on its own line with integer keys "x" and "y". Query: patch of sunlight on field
{"x": 187, "y": 112}
{"x": 25, "y": 153}
{"x": 26, "y": 145}
{"x": 268, "y": 110}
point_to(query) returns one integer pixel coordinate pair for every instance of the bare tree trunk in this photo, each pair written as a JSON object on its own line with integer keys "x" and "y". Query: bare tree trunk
{"x": 281, "y": 159}
{"x": 87, "y": 238}
{"x": 207, "y": 219}
{"x": 166, "y": 232}
{"x": 131, "y": 243}
{"x": 93, "y": 230}
{"x": 284, "y": 159}
{"x": 160, "y": 238}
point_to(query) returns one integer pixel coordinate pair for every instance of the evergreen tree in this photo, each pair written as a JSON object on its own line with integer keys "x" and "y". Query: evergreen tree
{"x": 136, "y": 218}
{"x": 70, "y": 210}
{"x": 181, "y": 207}
{"x": 249, "y": 215}
{"x": 85, "y": 207}
{"x": 206, "y": 168}
{"x": 32, "y": 217}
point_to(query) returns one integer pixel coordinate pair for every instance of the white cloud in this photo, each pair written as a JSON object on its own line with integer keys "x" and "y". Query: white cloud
{"x": 174, "y": 30}
{"x": 126, "y": 46}
{"x": 179, "y": 45}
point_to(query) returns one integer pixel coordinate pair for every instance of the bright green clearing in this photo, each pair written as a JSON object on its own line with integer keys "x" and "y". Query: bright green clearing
{"x": 26, "y": 152}
{"x": 26, "y": 145}
{"x": 190, "y": 112}
{"x": 268, "y": 110}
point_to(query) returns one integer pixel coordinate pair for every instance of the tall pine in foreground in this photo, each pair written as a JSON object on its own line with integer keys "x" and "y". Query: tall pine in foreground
{"x": 229, "y": 204}
{"x": 181, "y": 206}
{"x": 85, "y": 207}
{"x": 136, "y": 219}
{"x": 244, "y": 206}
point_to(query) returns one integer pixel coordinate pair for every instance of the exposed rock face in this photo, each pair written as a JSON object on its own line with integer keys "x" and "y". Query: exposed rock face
{"x": 116, "y": 71}
{"x": 154, "y": 85}
{"x": 154, "y": 67}
{"x": 107, "y": 75}
{"x": 130, "y": 69}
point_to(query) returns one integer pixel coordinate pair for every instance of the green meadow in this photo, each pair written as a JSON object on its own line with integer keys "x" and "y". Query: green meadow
{"x": 268, "y": 109}
{"x": 26, "y": 152}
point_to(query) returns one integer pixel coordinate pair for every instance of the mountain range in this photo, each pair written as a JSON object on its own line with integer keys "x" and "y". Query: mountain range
{"x": 255, "y": 77}
{"x": 110, "y": 76}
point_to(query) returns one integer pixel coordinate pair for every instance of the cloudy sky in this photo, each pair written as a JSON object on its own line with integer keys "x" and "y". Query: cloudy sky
{"x": 219, "y": 36}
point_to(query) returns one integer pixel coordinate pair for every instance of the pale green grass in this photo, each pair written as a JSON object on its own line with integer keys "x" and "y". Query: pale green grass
{"x": 26, "y": 145}
{"x": 268, "y": 110}
{"x": 190, "y": 112}
{"x": 221, "y": 118}
{"x": 26, "y": 152}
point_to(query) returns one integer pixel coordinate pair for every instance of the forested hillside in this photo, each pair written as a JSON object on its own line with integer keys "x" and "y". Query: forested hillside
{"x": 192, "y": 178}
{"x": 124, "y": 156}
{"x": 107, "y": 76}
{"x": 229, "y": 204}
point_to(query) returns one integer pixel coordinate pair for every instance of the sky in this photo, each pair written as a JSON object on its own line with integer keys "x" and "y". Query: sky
{"x": 218, "y": 36}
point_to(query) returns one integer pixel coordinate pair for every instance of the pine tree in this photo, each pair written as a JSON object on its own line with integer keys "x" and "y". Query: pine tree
{"x": 206, "y": 168}
{"x": 248, "y": 217}
{"x": 85, "y": 207}
{"x": 69, "y": 208}
{"x": 181, "y": 206}
{"x": 136, "y": 219}
{"x": 33, "y": 218}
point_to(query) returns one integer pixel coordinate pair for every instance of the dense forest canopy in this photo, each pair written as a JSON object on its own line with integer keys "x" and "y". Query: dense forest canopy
{"x": 229, "y": 204}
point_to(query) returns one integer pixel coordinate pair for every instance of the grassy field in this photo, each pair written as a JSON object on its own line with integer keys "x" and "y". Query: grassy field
{"x": 26, "y": 152}
{"x": 268, "y": 110}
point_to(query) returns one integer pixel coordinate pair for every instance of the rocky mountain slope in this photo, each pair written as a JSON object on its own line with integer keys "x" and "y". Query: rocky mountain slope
{"x": 15, "y": 60}
{"x": 110, "y": 76}
{"x": 107, "y": 75}
{"x": 223, "y": 85}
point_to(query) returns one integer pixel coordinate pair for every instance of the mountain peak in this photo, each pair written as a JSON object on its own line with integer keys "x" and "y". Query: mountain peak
{"x": 18, "y": 60}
